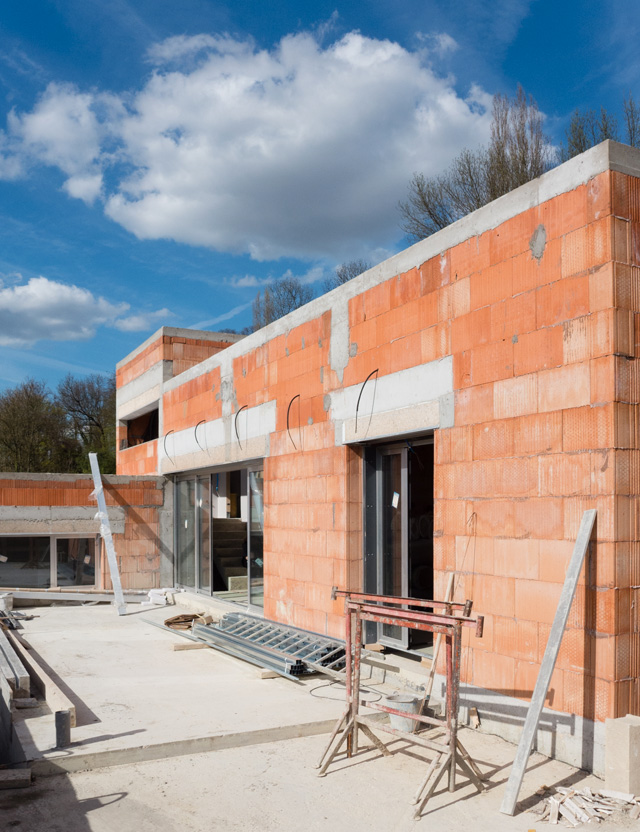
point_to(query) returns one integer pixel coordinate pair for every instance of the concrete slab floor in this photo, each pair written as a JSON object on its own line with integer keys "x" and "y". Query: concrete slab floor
{"x": 276, "y": 787}
{"x": 133, "y": 691}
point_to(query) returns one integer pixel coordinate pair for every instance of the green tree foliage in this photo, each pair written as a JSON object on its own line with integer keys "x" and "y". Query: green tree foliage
{"x": 34, "y": 432}
{"x": 518, "y": 152}
{"x": 43, "y": 433}
{"x": 278, "y": 299}
{"x": 344, "y": 273}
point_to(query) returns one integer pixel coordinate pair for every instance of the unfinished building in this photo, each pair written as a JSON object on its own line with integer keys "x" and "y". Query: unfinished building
{"x": 454, "y": 409}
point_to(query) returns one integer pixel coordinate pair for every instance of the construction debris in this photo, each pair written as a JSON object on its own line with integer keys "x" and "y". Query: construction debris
{"x": 571, "y": 807}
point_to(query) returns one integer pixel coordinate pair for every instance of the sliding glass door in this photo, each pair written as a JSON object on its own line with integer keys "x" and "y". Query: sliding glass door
{"x": 219, "y": 519}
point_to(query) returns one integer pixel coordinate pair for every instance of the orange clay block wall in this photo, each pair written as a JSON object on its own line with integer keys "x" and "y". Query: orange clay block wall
{"x": 137, "y": 549}
{"x": 546, "y": 424}
{"x": 541, "y": 316}
{"x": 183, "y": 352}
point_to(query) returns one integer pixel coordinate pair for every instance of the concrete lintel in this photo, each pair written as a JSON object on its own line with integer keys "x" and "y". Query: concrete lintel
{"x": 402, "y": 422}
{"x": 57, "y": 519}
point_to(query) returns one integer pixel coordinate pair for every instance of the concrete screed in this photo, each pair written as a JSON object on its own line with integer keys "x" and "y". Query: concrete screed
{"x": 143, "y": 708}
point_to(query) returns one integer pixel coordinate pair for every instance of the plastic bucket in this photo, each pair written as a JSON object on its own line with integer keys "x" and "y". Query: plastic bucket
{"x": 406, "y": 703}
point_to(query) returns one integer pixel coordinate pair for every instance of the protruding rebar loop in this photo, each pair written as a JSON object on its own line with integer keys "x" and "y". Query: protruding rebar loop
{"x": 195, "y": 433}
{"x": 164, "y": 445}
{"x": 297, "y": 396}
{"x": 235, "y": 424}
{"x": 373, "y": 372}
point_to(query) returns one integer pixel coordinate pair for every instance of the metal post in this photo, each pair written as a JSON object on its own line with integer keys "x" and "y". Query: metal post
{"x": 63, "y": 728}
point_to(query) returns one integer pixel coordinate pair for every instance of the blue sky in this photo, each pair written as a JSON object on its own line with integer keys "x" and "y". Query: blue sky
{"x": 160, "y": 162}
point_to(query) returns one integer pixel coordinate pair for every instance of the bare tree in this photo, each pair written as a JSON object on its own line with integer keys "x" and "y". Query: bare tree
{"x": 90, "y": 405}
{"x": 283, "y": 296}
{"x": 518, "y": 152}
{"x": 344, "y": 273}
{"x": 587, "y": 129}
{"x": 631, "y": 121}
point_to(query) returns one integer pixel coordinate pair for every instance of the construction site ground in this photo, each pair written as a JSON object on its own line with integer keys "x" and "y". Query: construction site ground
{"x": 188, "y": 741}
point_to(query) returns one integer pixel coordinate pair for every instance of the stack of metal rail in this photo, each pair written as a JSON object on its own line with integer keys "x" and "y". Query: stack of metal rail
{"x": 286, "y": 650}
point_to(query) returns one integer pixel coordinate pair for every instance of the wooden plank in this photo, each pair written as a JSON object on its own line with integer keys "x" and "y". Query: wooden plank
{"x": 13, "y": 669}
{"x": 43, "y": 683}
{"x": 514, "y": 783}
{"x": 15, "y": 778}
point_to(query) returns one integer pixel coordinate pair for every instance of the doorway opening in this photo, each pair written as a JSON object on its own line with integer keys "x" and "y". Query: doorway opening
{"x": 398, "y": 538}
{"x": 219, "y": 534}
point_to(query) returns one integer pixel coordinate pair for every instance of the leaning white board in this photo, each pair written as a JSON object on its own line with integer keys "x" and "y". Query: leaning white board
{"x": 514, "y": 783}
{"x": 105, "y": 531}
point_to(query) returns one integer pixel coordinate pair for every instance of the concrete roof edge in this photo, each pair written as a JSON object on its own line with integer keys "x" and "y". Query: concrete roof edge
{"x": 114, "y": 479}
{"x": 179, "y": 332}
{"x": 607, "y": 155}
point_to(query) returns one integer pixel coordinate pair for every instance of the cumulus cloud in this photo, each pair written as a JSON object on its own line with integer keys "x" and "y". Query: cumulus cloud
{"x": 302, "y": 151}
{"x": 45, "y": 309}
{"x": 142, "y": 321}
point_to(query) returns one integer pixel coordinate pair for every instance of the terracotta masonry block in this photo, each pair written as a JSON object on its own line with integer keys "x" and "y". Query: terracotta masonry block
{"x": 492, "y": 671}
{"x": 493, "y": 439}
{"x": 538, "y": 517}
{"x": 564, "y": 387}
{"x": 512, "y": 237}
{"x": 538, "y": 350}
{"x": 515, "y": 397}
{"x": 599, "y": 196}
{"x": 475, "y": 405}
{"x": 515, "y": 638}
{"x": 494, "y": 518}
{"x": 516, "y": 558}
{"x": 603, "y": 380}
{"x": 554, "y": 557}
{"x": 462, "y": 370}
{"x": 469, "y": 256}
{"x": 525, "y": 681}
{"x": 513, "y": 317}
{"x": 435, "y": 273}
{"x": 584, "y": 428}
{"x": 405, "y": 288}
{"x": 471, "y": 330}
{"x": 451, "y": 517}
{"x": 562, "y": 300}
{"x": 474, "y": 554}
{"x": 565, "y": 212}
{"x": 575, "y": 253}
{"x": 538, "y": 433}
{"x": 536, "y": 600}
{"x": 576, "y": 345}
{"x": 530, "y": 273}
{"x": 491, "y": 285}
{"x": 565, "y": 474}
{"x": 621, "y": 240}
{"x": 377, "y": 300}
{"x": 620, "y": 195}
{"x": 453, "y": 300}
{"x": 492, "y": 362}
{"x": 603, "y": 284}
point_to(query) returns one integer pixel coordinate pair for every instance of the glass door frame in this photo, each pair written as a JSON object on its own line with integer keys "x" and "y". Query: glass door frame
{"x": 373, "y": 520}
{"x": 196, "y": 476}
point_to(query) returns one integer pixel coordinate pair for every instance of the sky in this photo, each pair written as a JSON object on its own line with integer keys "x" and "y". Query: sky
{"x": 161, "y": 162}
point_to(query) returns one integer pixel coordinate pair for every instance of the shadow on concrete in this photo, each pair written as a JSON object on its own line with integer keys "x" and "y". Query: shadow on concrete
{"x": 36, "y": 808}
{"x": 84, "y": 714}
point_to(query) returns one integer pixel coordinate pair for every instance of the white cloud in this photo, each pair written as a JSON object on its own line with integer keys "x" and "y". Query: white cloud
{"x": 43, "y": 309}
{"x": 300, "y": 151}
{"x": 145, "y": 320}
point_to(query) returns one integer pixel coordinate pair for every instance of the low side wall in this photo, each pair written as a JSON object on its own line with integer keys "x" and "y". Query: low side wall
{"x": 140, "y": 512}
